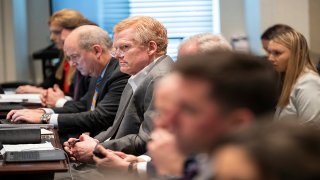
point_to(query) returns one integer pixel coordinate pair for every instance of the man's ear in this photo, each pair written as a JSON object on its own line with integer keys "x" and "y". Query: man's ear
{"x": 97, "y": 50}
{"x": 152, "y": 48}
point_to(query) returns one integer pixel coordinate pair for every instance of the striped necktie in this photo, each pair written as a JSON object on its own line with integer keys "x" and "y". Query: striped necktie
{"x": 95, "y": 96}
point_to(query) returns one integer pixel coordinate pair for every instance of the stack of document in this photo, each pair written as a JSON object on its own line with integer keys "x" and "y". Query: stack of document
{"x": 27, "y": 147}
{"x": 19, "y": 98}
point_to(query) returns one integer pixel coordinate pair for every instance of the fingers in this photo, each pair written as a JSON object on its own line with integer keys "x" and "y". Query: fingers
{"x": 43, "y": 101}
{"x": 20, "y": 89}
{"x": 50, "y": 91}
{"x": 44, "y": 92}
{"x": 19, "y": 119}
{"x": 66, "y": 143}
{"x": 133, "y": 159}
{"x": 102, "y": 150}
{"x": 56, "y": 87}
{"x": 97, "y": 160}
{"x": 120, "y": 154}
{"x": 9, "y": 115}
{"x": 68, "y": 150}
{"x": 70, "y": 141}
{"x": 43, "y": 97}
{"x": 15, "y": 116}
{"x": 84, "y": 137}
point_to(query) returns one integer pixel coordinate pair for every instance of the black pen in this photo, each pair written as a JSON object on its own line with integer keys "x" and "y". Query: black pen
{"x": 74, "y": 142}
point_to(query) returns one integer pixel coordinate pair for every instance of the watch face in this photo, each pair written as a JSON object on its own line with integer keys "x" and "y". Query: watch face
{"x": 45, "y": 118}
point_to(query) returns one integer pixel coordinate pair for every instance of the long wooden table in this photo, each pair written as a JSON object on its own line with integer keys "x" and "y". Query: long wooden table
{"x": 35, "y": 170}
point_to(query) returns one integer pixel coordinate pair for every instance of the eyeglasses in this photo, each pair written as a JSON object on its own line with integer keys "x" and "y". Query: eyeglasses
{"x": 120, "y": 51}
{"x": 73, "y": 57}
{"x": 56, "y": 31}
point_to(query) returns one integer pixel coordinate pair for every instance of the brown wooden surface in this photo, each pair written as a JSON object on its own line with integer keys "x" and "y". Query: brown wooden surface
{"x": 36, "y": 167}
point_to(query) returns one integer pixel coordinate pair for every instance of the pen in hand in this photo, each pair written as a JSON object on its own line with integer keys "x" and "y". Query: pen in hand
{"x": 74, "y": 142}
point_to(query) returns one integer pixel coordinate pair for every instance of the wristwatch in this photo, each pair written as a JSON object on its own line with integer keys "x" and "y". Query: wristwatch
{"x": 45, "y": 118}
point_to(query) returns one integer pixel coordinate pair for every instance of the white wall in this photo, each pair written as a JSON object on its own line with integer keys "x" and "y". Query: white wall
{"x": 232, "y": 18}
{"x": 295, "y": 13}
{"x": 23, "y": 29}
{"x": 38, "y": 32}
{"x": 261, "y": 14}
{"x": 2, "y": 62}
{"x": 314, "y": 20}
{"x": 7, "y": 44}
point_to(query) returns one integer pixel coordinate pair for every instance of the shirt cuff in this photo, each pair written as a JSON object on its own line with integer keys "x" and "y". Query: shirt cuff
{"x": 60, "y": 102}
{"x": 68, "y": 98}
{"x": 142, "y": 168}
{"x": 145, "y": 157}
{"x": 54, "y": 120}
{"x": 48, "y": 110}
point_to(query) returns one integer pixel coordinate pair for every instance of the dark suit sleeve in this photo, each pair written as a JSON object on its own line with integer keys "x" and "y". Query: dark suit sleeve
{"x": 74, "y": 106}
{"x": 136, "y": 143}
{"x": 103, "y": 115}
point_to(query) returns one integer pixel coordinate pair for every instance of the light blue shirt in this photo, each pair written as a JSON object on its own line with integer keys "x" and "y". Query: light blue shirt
{"x": 304, "y": 101}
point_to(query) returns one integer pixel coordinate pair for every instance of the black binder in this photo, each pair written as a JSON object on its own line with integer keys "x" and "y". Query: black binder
{"x": 20, "y": 135}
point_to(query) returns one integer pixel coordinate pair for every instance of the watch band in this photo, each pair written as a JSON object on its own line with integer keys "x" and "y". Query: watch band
{"x": 45, "y": 118}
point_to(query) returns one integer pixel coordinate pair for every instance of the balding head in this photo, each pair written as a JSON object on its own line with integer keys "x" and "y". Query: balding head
{"x": 201, "y": 43}
{"x": 88, "y": 48}
{"x": 88, "y": 35}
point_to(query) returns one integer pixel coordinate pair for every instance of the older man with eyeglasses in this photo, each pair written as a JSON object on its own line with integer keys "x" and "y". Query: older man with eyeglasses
{"x": 88, "y": 49}
{"x": 140, "y": 45}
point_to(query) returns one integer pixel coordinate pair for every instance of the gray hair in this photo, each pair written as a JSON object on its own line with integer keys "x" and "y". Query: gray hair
{"x": 207, "y": 42}
{"x": 90, "y": 35}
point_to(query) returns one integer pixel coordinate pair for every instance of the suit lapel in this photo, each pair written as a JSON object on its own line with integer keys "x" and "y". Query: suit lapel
{"x": 106, "y": 77}
{"x": 124, "y": 102}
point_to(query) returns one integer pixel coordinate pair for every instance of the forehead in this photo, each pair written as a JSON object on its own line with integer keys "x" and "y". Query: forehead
{"x": 71, "y": 44}
{"x": 125, "y": 36}
{"x": 276, "y": 46}
{"x": 54, "y": 26}
{"x": 194, "y": 88}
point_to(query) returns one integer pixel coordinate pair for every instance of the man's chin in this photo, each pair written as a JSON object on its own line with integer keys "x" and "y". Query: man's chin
{"x": 83, "y": 73}
{"x": 125, "y": 70}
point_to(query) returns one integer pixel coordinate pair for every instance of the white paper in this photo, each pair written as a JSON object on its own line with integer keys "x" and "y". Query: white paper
{"x": 27, "y": 147}
{"x": 46, "y": 132}
{"x": 28, "y": 98}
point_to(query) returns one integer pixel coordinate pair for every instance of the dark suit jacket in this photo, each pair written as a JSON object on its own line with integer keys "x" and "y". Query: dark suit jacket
{"x": 51, "y": 76}
{"x": 76, "y": 117}
{"x": 80, "y": 85}
{"x": 131, "y": 128}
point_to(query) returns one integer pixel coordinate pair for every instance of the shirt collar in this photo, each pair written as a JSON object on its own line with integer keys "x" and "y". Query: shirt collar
{"x": 137, "y": 79}
{"x": 104, "y": 71}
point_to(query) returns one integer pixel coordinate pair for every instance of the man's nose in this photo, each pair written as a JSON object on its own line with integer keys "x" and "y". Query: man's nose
{"x": 118, "y": 55}
{"x": 51, "y": 37}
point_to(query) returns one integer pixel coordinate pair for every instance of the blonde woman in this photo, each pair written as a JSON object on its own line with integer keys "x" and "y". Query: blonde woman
{"x": 300, "y": 95}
